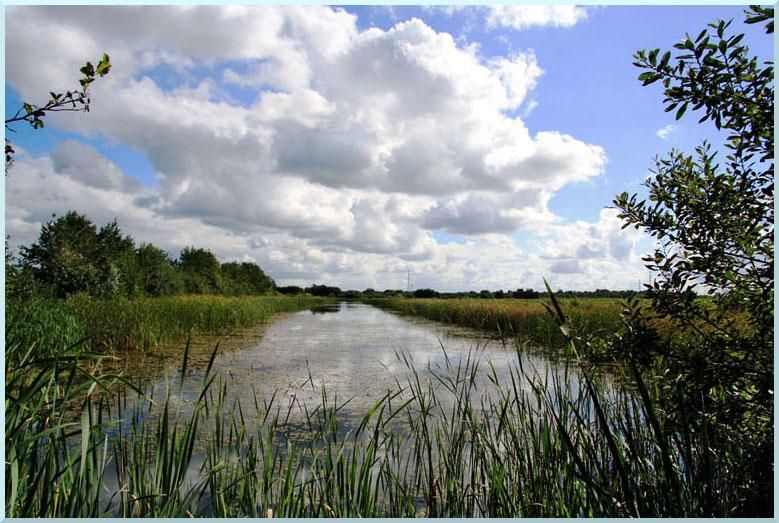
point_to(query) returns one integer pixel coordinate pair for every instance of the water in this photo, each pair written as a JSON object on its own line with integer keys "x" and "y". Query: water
{"x": 354, "y": 352}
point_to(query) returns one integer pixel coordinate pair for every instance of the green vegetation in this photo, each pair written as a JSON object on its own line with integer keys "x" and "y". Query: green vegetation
{"x": 500, "y": 294}
{"x": 525, "y": 320}
{"x": 713, "y": 216}
{"x": 569, "y": 445}
{"x": 52, "y": 326}
{"x": 72, "y": 256}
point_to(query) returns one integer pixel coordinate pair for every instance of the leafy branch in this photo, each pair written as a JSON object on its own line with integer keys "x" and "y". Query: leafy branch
{"x": 77, "y": 100}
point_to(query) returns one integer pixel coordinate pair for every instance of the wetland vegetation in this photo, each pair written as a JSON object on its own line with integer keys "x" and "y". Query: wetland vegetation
{"x": 498, "y": 408}
{"x": 469, "y": 427}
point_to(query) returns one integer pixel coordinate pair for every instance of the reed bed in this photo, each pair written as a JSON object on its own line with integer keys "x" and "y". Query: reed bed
{"x": 54, "y": 325}
{"x": 559, "y": 444}
{"x": 526, "y": 320}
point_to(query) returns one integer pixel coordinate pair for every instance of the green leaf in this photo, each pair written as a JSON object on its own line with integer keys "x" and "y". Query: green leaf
{"x": 104, "y": 66}
{"x": 88, "y": 70}
{"x": 645, "y": 76}
{"x": 681, "y": 111}
{"x": 653, "y": 56}
{"x": 664, "y": 59}
{"x": 85, "y": 423}
{"x": 721, "y": 28}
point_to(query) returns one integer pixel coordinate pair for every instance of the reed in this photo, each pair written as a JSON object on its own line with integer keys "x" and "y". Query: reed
{"x": 560, "y": 444}
{"x": 526, "y": 320}
{"x": 55, "y": 325}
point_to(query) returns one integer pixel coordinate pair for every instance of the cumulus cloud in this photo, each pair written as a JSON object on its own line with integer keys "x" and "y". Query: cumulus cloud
{"x": 351, "y": 147}
{"x": 364, "y": 254}
{"x": 84, "y": 163}
{"x": 602, "y": 239}
{"x": 525, "y": 16}
{"x": 664, "y": 132}
{"x": 598, "y": 254}
{"x": 473, "y": 215}
{"x": 406, "y": 110}
{"x": 565, "y": 266}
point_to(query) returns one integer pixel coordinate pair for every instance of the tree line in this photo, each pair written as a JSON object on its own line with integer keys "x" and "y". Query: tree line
{"x": 520, "y": 293}
{"x": 72, "y": 255}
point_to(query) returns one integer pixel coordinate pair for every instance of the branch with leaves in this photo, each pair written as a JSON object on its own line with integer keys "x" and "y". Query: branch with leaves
{"x": 715, "y": 215}
{"x": 77, "y": 100}
{"x": 712, "y": 213}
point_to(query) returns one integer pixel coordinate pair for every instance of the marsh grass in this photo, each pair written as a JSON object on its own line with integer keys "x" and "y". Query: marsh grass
{"x": 565, "y": 443}
{"x": 101, "y": 325}
{"x": 523, "y": 319}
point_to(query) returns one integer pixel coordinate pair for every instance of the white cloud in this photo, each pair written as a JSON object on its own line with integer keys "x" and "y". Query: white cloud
{"x": 664, "y": 132}
{"x": 84, "y": 163}
{"x": 598, "y": 254}
{"x": 565, "y": 267}
{"x": 352, "y": 148}
{"x": 529, "y": 107}
{"x": 525, "y": 16}
{"x": 360, "y": 254}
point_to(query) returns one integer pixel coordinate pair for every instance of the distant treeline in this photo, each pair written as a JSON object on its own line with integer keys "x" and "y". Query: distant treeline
{"x": 324, "y": 290}
{"x": 73, "y": 256}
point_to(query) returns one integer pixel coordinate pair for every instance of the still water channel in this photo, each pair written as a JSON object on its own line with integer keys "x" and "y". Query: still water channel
{"x": 356, "y": 352}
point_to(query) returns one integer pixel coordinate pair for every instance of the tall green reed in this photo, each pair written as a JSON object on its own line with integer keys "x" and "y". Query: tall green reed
{"x": 570, "y": 442}
{"x": 522, "y": 319}
{"x": 55, "y": 325}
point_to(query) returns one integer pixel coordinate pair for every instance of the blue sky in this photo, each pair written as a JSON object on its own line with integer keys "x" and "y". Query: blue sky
{"x": 353, "y": 180}
{"x": 589, "y": 87}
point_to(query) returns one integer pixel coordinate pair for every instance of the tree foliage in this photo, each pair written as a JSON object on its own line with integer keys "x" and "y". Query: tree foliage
{"x": 245, "y": 279}
{"x": 200, "y": 269}
{"x": 73, "y": 256}
{"x": 712, "y": 214}
{"x": 157, "y": 273}
{"x": 67, "y": 257}
{"x": 714, "y": 217}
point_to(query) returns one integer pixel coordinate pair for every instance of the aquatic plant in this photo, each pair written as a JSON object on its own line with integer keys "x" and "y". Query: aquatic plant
{"x": 117, "y": 323}
{"x": 568, "y": 443}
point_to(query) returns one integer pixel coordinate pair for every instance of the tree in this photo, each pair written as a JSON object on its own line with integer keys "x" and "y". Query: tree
{"x": 290, "y": 290}
{"x": 200, "y": 269}
{"x": 425, "y": 293}
{"x": 246, "y": 279}
{"x": 77, "y": 100}
{"x": 713, "y": 219}
{"x": 157, "y": 275}
{"x": 67, "y": 256}
{"x": 323, "y": 290}
{"x": 118, "y": 261}
{"x": 72, "y": 256}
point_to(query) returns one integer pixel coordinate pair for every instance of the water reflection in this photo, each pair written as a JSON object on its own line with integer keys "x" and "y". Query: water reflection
{"x": 325, "y": 309}
{"x": 353, "y": 352}
{"x": 303, "y": 366}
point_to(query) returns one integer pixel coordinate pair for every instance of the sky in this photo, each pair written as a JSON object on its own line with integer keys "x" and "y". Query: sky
{"x": 470, "y": 147}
